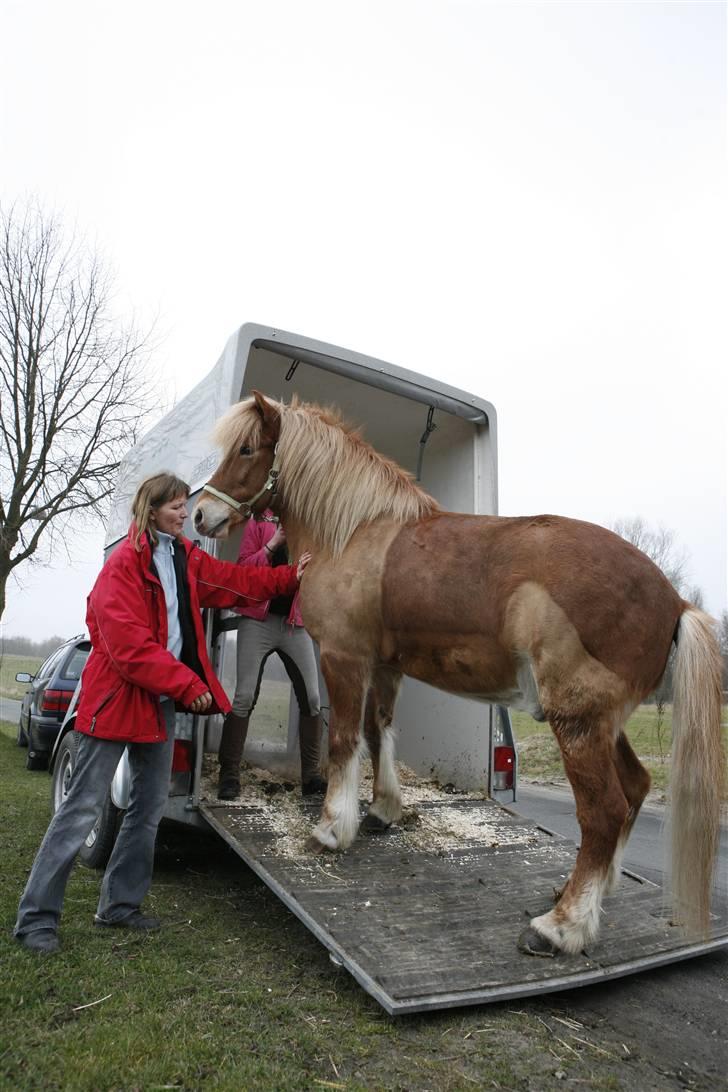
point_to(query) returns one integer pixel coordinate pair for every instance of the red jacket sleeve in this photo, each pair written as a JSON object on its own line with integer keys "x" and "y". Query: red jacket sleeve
{"x": 121, "y": 616}
{"x": 225, "y": 584}
{"x": 252, "y": 545}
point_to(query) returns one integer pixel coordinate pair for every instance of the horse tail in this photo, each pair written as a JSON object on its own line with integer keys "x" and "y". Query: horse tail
{"x": 698, "y": 769}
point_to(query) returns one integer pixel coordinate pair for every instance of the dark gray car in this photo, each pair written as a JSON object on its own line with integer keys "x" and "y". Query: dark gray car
{"x": 47, "y": 698}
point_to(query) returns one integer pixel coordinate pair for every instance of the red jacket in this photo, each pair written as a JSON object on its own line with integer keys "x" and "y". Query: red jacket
{"x": 129, "y": 666}
{"x": 253, "y": 552}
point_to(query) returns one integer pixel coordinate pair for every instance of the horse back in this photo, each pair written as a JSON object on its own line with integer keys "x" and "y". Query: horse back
{"x": 512, "y": 581}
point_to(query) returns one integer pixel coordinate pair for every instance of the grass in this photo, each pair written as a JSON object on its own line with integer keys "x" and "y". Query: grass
{"x": 648, "y": 729}
{"x": 269, "y": 720}
{"x": 10, "y": 664}
{"x": 234, "y": 993}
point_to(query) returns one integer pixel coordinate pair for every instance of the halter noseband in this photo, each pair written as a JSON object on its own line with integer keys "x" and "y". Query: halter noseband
{"x": 246, "y": 507}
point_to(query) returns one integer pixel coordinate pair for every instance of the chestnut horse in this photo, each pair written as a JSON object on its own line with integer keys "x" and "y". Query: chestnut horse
{"x": 557, "y": 617}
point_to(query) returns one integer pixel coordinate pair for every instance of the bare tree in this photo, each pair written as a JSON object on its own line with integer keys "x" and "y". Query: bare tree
{"x": 73, "y": 390}
{"x": 694, "y": 595}
{"x": 659, "y": 545}
{"x": 723, "y": 641}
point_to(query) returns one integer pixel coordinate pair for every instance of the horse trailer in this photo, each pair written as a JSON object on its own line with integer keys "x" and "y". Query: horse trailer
{"x": 427, "y": 915}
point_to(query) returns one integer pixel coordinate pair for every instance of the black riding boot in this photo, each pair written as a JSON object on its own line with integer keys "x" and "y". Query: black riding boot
{"x": 234, "y": 732}
{"x": 309, "y": 738}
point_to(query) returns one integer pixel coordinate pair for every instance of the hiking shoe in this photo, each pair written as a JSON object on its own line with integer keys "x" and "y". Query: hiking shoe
{"x": 40, "y": 940}
{"x": 137, "y": 920}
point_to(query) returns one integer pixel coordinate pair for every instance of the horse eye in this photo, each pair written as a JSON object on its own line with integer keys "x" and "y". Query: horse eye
{"x": 245, "y": 450}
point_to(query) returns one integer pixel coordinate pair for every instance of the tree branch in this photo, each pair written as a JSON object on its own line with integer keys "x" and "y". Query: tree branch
{"x": 73, "y": 384}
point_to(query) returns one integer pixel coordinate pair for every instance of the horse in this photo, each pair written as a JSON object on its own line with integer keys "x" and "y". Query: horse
{"x": 558, "y": 617}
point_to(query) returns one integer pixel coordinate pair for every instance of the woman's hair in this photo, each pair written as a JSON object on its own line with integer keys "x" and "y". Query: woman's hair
{"x": 154, "y": 491}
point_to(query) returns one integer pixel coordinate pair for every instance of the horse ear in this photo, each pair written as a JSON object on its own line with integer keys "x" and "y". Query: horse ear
{"x": 268, "y": 413}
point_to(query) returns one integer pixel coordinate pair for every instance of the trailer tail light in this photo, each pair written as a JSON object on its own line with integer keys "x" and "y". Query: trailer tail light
{"x": 503, "y": 766}
{"x": 182, "y": 756}
{"x": 56, "y": 701}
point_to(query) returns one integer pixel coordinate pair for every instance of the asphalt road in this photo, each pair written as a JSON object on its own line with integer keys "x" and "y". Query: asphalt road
{"x": 554, "y": 809}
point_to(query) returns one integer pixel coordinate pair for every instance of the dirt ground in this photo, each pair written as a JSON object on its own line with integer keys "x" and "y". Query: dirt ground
{"x": 674, "y": 1018}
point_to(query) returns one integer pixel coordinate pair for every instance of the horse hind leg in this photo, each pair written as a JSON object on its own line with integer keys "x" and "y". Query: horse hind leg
{"x": 602, "y": 810}
{"x": 386, "y": 805}
{"x": 635, "y": 782}
{"x": 346, "y": 681}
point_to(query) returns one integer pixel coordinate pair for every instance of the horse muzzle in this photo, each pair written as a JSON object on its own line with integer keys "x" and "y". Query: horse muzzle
{"x": 211, "y": 518}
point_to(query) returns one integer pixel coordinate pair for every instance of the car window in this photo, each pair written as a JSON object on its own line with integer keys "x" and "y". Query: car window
{"x": 74, "y": 667}
{"x": 43, "y": 669}
{"x": 46, "y": 669}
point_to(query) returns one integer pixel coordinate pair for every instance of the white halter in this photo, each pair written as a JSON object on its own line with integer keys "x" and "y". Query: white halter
{"x": 246, "y": 507}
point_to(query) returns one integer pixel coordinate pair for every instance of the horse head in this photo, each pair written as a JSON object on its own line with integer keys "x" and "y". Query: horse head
{"x": 245, "y": 481}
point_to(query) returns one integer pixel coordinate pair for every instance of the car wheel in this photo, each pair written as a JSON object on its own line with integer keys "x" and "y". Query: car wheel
{"x": 36, "y": 760}
{"x": 22, "y": 736}
{"x": 96, "y": 849}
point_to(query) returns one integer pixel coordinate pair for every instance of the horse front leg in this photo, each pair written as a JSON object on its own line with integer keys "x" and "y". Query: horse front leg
{"x": 386, "y": 805}
{"x": 602, "y": 811}
{"x": 347, "y": 679}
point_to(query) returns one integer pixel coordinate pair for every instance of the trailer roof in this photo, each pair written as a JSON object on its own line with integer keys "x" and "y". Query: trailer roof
{"x": 181, "y": 440}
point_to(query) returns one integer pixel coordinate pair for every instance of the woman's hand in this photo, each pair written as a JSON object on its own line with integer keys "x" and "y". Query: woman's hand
{"x": 302, "y": 563}
{"x": 277, "y": 538}
{"x": 201, "y": 703}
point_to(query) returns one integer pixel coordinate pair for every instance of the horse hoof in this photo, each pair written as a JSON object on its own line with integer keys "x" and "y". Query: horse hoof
{"x": 314, "y": 846}
{"x": 372, "y": 824}
{"x": 532, "y": 943}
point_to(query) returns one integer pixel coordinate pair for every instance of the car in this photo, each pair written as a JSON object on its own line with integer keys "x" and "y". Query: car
{"x": 47, "y": 698}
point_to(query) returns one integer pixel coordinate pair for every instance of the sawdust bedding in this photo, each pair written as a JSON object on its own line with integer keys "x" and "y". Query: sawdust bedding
{"x": 436, "y": 818}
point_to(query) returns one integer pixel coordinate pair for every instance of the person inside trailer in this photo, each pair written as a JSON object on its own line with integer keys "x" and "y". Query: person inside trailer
{"x": 274, "y": 625}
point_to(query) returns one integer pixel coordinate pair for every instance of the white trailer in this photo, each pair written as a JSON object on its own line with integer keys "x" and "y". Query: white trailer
{"x": 509, "y": 866}
{"x": 445, "y": 436}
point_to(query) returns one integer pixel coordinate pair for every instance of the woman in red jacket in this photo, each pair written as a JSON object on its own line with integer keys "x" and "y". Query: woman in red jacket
{"x": 148, "y": 654}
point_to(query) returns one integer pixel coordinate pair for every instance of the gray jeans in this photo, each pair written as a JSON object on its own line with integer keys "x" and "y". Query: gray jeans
{"x": 129, "y": 871}
{"x": 256, "y": 641}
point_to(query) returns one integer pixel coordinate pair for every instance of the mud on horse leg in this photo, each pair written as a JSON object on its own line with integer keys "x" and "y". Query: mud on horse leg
{"x": 602, "y": 811}
{"x": 346, "y": 681}
{"x": 386, "y": 805}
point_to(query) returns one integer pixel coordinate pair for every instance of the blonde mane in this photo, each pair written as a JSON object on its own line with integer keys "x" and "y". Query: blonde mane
{"x": 330, "y": 478}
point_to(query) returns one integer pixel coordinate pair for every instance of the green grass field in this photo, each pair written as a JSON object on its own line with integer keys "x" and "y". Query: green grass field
{"x": 235, "y": 994}
{"x": 270, "y": 716}
{"x": 649, "y": 732}
{"x": 10, "y": 664}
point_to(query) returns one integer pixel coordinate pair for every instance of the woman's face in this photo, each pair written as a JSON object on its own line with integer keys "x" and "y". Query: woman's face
{"x": 170, "y": 517}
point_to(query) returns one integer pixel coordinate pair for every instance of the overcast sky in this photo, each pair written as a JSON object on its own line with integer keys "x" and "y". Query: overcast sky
{"x": 526, "y": 200}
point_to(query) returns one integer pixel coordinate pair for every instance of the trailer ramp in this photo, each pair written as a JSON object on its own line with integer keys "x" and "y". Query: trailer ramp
{"x": 427, "y": 915}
